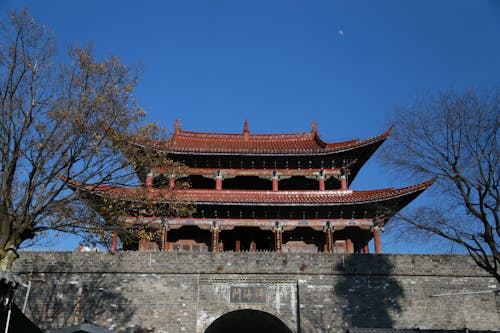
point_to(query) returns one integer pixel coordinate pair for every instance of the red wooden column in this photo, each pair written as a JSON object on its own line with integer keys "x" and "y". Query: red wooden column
{"x": 366, "y": 249}
{"x": 164, "y": 241}
{"x": 376, "y": 240}
{"x": 237, "y": 246}
{"x": 114, "y": 242}
{"x": 143, "y": 245}
{"x": 215, "y": 238}
{"x": 218, "y": 180}
{"x": 349, "y": 246}
{"x": 275, "y": 179}
{"x": 343, "y": 183}
{"x": 253, "y": 246}
{"x": 275, "y": 184}
{"x": 278, "y": 238}
{"x": 329, "y": 238}
{"x": 171, "y": 182}
{"x": 218, "y": 183}
{"x": 321, "y": 180}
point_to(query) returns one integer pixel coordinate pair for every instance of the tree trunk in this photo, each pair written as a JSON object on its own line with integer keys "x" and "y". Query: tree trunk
{"x": 7, "y": 257}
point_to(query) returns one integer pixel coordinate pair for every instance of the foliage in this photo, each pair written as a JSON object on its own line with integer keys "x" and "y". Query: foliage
{"x": 58, "y": 120}
{"x": 454, "y": 137}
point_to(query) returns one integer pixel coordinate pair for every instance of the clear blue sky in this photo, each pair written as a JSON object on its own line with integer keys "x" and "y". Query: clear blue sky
{"x": 282, "y": 64}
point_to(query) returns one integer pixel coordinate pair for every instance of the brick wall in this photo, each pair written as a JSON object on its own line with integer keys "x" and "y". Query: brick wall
{"x": 187, "y": 292}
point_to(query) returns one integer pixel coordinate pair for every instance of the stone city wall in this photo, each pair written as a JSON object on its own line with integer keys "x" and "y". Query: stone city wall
{"x": 187, "y": 292}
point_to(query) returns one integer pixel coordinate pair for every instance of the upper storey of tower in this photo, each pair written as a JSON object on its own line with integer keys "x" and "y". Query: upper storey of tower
{"x": 246, "y": 143}
{"x": 204, "y": 152}
{"x": 245, "y": 153}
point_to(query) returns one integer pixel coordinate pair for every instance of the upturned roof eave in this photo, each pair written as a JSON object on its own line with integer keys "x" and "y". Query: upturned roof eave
{"x": 385, "y": 195}
{"x": 323, "y": 148}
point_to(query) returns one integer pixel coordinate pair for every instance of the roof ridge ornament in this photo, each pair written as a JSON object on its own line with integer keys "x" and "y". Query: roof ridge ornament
{"x": 314, "y": 126}
{"x": 177, "y": 126}
{"x": 246, "y": 132}
{"x": 315, "y": 136}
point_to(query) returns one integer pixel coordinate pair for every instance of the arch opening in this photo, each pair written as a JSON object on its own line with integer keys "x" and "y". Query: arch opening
{"x": 248, "y": 321}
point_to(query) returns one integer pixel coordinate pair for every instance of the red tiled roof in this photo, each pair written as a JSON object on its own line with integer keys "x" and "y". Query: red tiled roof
{"x": 247, "y": 143}
{"x": 256, "y": 197}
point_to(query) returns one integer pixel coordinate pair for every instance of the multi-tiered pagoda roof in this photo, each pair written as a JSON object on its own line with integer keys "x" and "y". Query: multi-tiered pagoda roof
{"x": 279, "y": 192}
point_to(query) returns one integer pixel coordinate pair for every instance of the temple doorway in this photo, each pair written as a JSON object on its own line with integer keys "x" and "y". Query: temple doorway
{"x": 248, "y": 321}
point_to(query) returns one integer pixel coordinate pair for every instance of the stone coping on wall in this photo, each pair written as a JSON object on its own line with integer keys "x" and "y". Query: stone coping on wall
{"x": 246, "y": 263}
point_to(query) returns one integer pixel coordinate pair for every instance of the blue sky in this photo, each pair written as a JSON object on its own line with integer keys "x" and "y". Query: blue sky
{"x": 282, "y": 64}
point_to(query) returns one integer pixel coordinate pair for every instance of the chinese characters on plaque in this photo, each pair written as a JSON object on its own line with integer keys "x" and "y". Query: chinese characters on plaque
{"x": 248, "y": 294}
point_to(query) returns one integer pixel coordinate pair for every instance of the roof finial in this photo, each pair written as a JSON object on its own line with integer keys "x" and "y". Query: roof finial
{"x": 245, "y": 130}
{"x": 314, "y": 127}
{"x": 177, "y": 125}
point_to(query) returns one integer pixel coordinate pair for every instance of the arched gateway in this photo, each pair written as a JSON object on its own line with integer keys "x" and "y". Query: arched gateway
{"x": 248, "y": 321}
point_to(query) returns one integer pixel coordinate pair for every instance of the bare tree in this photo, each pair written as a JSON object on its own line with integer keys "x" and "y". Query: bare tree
{"x": 57, "y": 120}
{"x": 454, "y": 137}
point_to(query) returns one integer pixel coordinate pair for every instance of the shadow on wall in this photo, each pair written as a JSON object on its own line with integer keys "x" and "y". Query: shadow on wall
{"x": 59, "y": 301}
{"x": 369, "y": 295}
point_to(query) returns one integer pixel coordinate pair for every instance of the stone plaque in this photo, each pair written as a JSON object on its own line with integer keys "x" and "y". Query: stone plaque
{"x": 254, "y": 294}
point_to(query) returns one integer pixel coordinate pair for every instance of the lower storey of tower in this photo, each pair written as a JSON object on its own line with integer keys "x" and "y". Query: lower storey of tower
{"x": 199, "y": 235}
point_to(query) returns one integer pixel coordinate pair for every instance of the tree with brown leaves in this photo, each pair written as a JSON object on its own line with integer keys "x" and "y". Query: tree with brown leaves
{"x": 57, "y": 121}
{"x": 454, "y": 137}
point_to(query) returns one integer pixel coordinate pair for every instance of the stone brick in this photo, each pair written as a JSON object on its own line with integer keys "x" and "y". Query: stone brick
{"x": 187, "y": 292}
